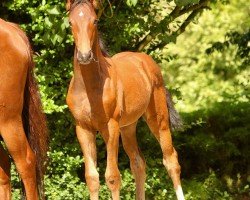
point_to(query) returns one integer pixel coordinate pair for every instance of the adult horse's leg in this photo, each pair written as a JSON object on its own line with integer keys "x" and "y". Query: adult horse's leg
{"x": 4, "y": 175}
{"x": 112, "y": 174}
{"x": 157, "y": 118}
{"x": 24, "y": 158}
{"x": 137, "y": 161}
{"x": 87, "y": 140}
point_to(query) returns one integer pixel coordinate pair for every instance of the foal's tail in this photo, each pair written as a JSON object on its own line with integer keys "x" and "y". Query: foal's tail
{"x": 35, "y": 126}
{"x": 174, "y": 117}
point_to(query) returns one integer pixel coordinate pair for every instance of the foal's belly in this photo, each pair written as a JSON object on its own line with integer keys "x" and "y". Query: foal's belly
{"x": 136, "y": 101}
{"x": 132, "y": 115}
{"x": 137, "y": 91}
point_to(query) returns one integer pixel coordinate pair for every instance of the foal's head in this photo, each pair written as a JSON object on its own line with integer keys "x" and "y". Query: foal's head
{"x": 83, "y": 21}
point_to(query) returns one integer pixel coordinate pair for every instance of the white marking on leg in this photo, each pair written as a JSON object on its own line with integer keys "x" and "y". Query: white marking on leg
{"x": 179, "y": 193}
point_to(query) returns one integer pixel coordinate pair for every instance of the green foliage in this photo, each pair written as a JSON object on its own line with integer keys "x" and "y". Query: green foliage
{"x": 213, "y": 141}
{"x": 221, "y": 76}
{"x": 235, "y": 38}
{"x": 132, "y": 2}
{"x": 206, "y": 69}
{"x": 214, "y": 91}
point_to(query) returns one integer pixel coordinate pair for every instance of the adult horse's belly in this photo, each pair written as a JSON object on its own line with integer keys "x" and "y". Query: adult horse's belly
{"x": 135, "y": 87}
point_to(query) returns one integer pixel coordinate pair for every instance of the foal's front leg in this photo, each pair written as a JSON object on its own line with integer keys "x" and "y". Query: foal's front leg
{"x": 87, "y": 140}
{"x": 112, "y": 174}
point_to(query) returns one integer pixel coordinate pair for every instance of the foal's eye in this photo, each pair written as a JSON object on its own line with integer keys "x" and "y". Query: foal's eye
{"x": 96, "y": 22}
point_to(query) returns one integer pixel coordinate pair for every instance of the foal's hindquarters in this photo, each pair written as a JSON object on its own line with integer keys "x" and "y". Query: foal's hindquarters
{"x": 145, "y": 95}
{"x": 14, "y": 62}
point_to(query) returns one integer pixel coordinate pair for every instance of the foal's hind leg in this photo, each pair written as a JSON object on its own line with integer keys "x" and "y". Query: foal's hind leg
{"x": 137, "y": 162}
{"x": 24, "y": 158}
{"x": 157, "y": 118}
{"x": 4, "y": 175}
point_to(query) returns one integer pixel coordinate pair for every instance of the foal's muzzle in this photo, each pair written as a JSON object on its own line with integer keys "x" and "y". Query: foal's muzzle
{"x": 85, "y": 58}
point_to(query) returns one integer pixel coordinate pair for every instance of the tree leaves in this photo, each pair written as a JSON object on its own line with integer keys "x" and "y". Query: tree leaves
{"x": 54, "y": 11}
{"x": 131, "y": 3}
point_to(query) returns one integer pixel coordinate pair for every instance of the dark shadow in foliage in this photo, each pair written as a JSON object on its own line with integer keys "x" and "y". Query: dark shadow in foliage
{"x": 220, "y": 142}
{"x": 9, "y": 15}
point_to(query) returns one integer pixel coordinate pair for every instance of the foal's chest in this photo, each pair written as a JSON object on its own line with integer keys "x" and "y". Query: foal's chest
{"x": 93, "y": 109}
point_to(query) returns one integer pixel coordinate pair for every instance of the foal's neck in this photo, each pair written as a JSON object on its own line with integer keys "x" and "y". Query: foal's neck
{"x": 92, "y": 75}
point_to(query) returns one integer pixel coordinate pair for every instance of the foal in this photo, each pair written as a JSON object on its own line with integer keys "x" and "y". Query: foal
{"x": 22, "y": 122}
{"x": 109, "y": 95}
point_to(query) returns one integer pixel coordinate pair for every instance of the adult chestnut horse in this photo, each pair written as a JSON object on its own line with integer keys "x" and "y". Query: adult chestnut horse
{"x": 109, "y": 95}
{"x": 22, "y": 122}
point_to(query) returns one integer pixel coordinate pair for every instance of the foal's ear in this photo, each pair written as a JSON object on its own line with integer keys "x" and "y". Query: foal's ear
{"x": 68, "y": 4}
{"x": 95, "y": 3}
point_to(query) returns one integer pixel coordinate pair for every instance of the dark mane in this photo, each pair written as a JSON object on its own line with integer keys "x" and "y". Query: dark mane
{"x": 103, "y": 48}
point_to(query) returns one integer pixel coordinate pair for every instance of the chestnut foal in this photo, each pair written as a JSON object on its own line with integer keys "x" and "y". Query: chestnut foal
{"x": 109, "y": 95}
{"x": 22, "y": 122}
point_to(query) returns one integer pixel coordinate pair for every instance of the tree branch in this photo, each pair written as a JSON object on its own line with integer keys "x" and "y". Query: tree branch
{"x": 177, "y": 12}
{"x": 188, "y": 21}
{"x": 201, "y": 4}
{"x": 150, "y": 36}
{"x": 180, "y": 30}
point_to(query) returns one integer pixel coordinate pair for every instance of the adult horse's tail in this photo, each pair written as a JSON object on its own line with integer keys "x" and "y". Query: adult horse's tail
{"x": 35, "y": 126}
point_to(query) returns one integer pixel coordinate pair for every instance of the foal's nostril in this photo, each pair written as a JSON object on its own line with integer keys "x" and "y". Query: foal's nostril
{"x": 84, "y": 57}
{"x": 87, "y": 56}
{"x": 80, "y": 57}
